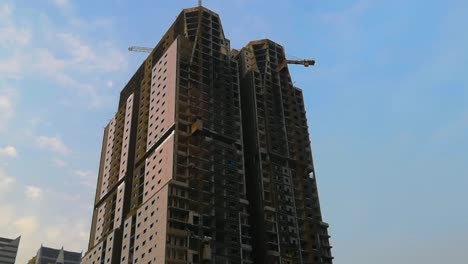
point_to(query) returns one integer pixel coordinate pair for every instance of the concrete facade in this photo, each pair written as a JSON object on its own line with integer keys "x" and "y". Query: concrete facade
{"x": 285, "y": 210}
{"x": 46, "y": 255}
{"x": 8, "y": 250}
{"x": 171, "y": 186}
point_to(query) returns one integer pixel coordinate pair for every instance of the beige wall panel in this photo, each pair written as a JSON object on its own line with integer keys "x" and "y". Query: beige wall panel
{"x": 151, "y": 229}
{"x": 162, "y": 97}
{"x": 118, "y": 218}
{"x": 126, "y": 137}
{"x": 159, "y": 168}
{"x": 125, "y": 255}
{"x": 93, "y": 256}
{"x": 101, "y": 211}
{"x": 108, "y": 158}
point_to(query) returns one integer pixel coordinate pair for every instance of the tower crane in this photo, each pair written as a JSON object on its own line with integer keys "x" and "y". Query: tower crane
{"x": 140, "y": 49}
{"x": 305, "y": 63}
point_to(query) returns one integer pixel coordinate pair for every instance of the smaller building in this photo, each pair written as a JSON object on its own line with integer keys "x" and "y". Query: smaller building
{"x": 8, "y": 250}
{"x": 46, "y": 255}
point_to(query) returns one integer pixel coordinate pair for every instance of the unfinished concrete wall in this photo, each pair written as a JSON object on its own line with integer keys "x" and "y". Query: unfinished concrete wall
{"x": 284, "y": 201}
{"x": 186, "y": 178}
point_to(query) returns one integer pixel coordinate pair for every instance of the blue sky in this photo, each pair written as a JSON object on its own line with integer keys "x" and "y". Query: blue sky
{"x": 387, "y": 109}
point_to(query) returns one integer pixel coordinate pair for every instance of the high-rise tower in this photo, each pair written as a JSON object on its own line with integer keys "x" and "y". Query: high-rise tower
{"x": 172, "y": 187}
{"x": 9, "y": 250}
{"x": 52, "y": 255}
{"x": 282, "y": 190}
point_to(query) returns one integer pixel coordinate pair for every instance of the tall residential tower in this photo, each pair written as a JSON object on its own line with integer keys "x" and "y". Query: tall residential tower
{"x": 285, "y": 210}
{"x": 172, "y": 187}
{"x": 47, "y": 255}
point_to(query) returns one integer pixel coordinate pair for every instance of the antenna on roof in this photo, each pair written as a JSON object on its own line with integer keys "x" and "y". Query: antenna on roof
{"x": 199, "y": 3}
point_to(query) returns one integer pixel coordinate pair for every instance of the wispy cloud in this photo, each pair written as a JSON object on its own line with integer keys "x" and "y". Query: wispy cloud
{"x": 59, "y": 232}
{"x": 12, "y": 36}
{"x": 59, "y": 162}
{"x": 34, "y": 193}
{"x": 5, "y": 11}
{"x": 53, "y": 144}
{"x": 6, "y": 181}
{"x": 63, "y": 5}
{"x": 7, "y": 212}
{"x": 11, "y": 68}
{"x": 8, "y": 151}
{"x": 101, "y": 23}
{"x": 48, "y": 225}
{"x": 83, "y": 52}
{"x": 27, "y": 225}
{"x": 348, "y": 15}
{"x": 73, "y": 59}
{"x": 88, "y": 178}
{"x": 7, "y": 106}
{"x": 344, "y": 25}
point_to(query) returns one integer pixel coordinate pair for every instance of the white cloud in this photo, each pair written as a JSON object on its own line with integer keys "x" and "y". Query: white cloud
{"x": 32, "y": 124}
{"x": 79, "y": 50}
{"x": 13, "y": 39}
{"x": 6, "y": 10}
{"x": 81, "y": 60}
{"x": 6, "y": 100}
{"x": 52, "y": 225}
{"x": 347, "y": 15}
{"x": 26, "y": 225}
{"x": 48, "y": 63}
{"x": 102, "y": 23}
{"x": 8, "y": 213}
{"x": 84, "y": 174}
{"x": 59, "y": 162}
{"x": 6, "y": 181}
{"x": 34, "y": 193}
{"x": 70, "y": 57}
{"x": 72, "y": 60}
{"x": 11, "y": 68}
{"x": 63, "y": 5}
{"x": 344, "y": 25}
{"x": 8, "y": 151}
{"x": 7, "y": 106}
{"x": 53, "y": 144}
{"x": 13, "y": 36}
{"x": 58, "y": 235}
{"x": 88, "y": 178}
{"x": 103, "y": 58}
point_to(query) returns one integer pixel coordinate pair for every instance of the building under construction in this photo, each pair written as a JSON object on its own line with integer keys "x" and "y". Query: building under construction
{"x": 281, "y": 187}
{"x": 208, "y": 159}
